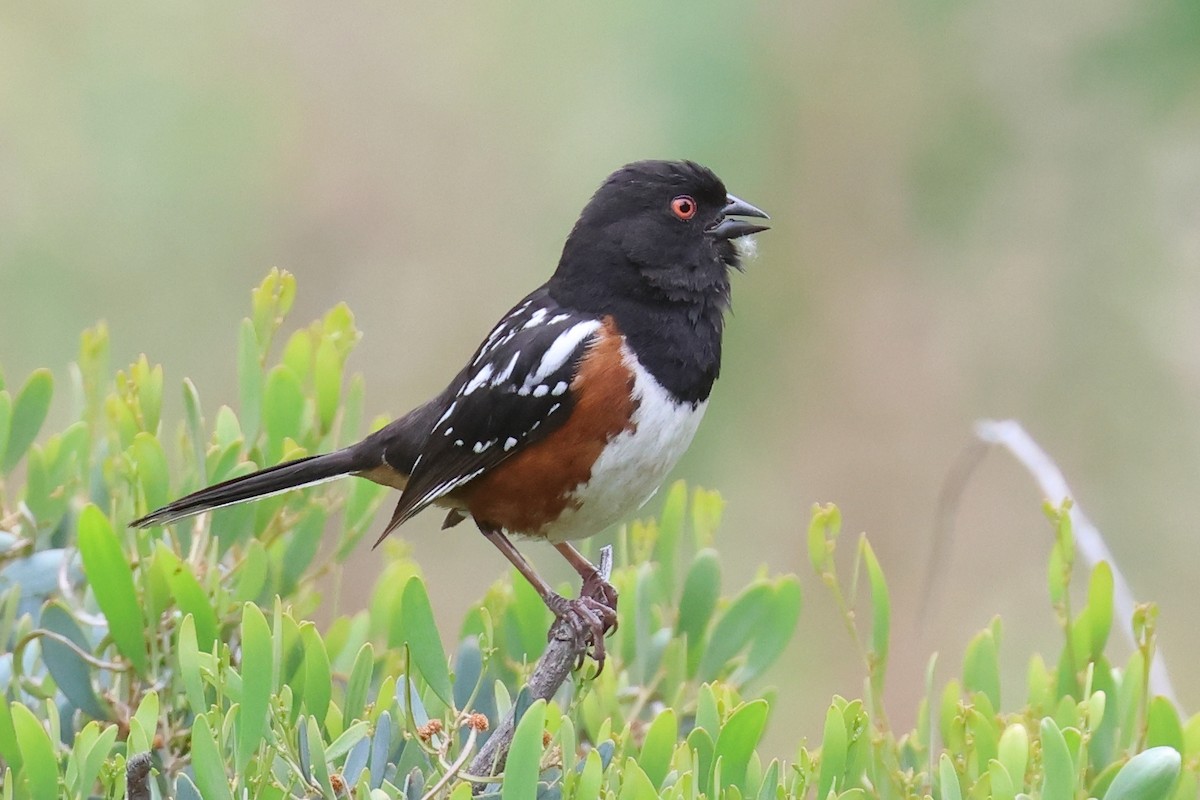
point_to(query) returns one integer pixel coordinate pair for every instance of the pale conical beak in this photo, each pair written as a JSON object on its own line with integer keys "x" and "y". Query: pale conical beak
{"x": 729, "y": 228}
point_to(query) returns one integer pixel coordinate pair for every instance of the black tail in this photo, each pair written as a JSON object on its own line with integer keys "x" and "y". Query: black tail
{"x": 269, "y": 481}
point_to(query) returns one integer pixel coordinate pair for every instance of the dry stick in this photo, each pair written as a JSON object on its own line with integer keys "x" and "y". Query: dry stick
{"x": 137, "y": 777}
{"x": 552, "y": 670}
{"x": 1010, "y": 435}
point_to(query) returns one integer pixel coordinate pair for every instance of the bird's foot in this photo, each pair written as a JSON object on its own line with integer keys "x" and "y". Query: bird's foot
{"x": 603, "y": 592}
{"x": 586, "y": 620}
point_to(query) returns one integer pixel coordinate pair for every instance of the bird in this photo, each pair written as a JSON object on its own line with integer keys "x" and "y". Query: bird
{"x": 577, "y": 403}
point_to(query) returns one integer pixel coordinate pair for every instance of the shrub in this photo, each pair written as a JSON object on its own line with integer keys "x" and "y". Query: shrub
{"x": 179, "y": 661}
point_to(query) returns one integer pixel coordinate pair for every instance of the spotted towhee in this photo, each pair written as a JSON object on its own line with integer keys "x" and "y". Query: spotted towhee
{"x": 578, "y": 402}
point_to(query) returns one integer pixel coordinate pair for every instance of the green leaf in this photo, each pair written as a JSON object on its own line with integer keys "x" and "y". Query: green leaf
{"x": 833, "y": 752}
{"x": 147, "y": 718}
{"x": 10, "y": 748}
{"x": 298, "y": 354}
{"x": 189, "y": 596}
{"x": 188, "y": 658}
{"x": 737, "y": 740}
{"x": 318, "y": 760}
{"x": 823, "y": 530}
{"x": 419, "y": 630}
{"x": 588, "y": 787}
{"x": 951, "y": 788}
{"x": 1001, "y": 782}
{"x": 95, "y": 757}
{"x": 1013, "y": 752}
{"x": 735, "y": 628}
{"x": 1059, "y": 780}
{"x": 151, "y": 470}
{"x": 327, "y": 380}
{"x": 195, "y": 426}
{"x": 525, "y": 755}
{"x": 352, "y": 411}
{"x": 149, "y": 393}
{"x": 347, "y": 740}
{"x": 526, "y": 620}
{"x": 981, "y": 732}
{"x": 253, "y": 574}
{"x": 659, "y": 745}
{"x": 702, "y": 744}
{"x": 981, "y": 667}
{"x": 1148, "y": 776}
{"x": 707, "y": 509}
{"x": 28, "y": 413}
{"x": 775, "y": 631}
{"x": 5, "y": 420}
{"x": 207, "y": 764}
{"x": 708, "y": 717}
{"x": 1099, "y": 609}
{"x": 1163, "y": 727}
{"x": 359, "y": 682}
{"x": 250, "y": 381}
{"x": 270, "y": 303}
{"x": 185, "y": 788}
{"x": 302, "y": 548}
{"x": 635, "y": 785}
{"x": 318, "y": 680}
{"x": 71, "y": 673}
{"x": 670, "y": 533}
{"x": 283, "y": 409}
{"x": 111, "y": 580}
{"x": 701, "y": 589}
{"x": 881, "y": 613}
{"x": 40, "y": 764}
{"x": 258, "y": 667}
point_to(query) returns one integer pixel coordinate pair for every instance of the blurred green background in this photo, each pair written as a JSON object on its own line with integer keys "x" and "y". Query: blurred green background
{"x": 980, "y": 209}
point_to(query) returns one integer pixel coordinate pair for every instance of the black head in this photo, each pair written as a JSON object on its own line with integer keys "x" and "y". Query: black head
{"x": 655, "y": 231}
{"x": 653, "y": 249}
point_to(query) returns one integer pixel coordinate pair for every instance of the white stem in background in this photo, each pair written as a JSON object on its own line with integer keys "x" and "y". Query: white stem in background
{"x": 1010, "y": 435}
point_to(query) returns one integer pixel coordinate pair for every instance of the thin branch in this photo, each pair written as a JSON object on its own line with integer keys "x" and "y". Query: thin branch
{"x": 1010, "y": 435}
{"x": 137, "y": 777}
{"x": 552, "y": 670}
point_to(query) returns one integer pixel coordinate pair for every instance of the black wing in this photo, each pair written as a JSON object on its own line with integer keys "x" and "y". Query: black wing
{"x": 515, "y": 391}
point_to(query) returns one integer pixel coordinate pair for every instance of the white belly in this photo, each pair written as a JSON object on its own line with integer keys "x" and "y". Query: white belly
{"x": 633, "y": 464}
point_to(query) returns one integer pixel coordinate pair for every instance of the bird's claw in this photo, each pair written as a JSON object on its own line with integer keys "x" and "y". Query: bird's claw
{"x": 586, "y": 620}
{"x": 603, "y": 592}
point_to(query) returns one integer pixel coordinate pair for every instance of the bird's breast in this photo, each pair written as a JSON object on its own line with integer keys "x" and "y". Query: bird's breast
{"x": 624, "y": 434}
{"x": 632, "y": 463}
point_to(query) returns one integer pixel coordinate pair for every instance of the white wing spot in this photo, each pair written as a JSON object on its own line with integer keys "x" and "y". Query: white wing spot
{"x": 535, "y": 319}
{"x": 523, "y": 391}
{"x": 445, "y": 416}
{"x": 560, "y": 350}
{"x": 560, "y": 389}
{"x": 479, "y": 379}
{"x": 509, "y": 444}
{"x": 558, "y": 318}
{"x": 541, "y": 391}
{"x": 554, "y": 408}
{"x": 458, "y": 442}
{"x": 506, "y": 373}
{"x": 449, "y": 431}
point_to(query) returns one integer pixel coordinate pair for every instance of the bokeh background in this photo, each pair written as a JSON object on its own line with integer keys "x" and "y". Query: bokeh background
{"x": 980, "y": 209}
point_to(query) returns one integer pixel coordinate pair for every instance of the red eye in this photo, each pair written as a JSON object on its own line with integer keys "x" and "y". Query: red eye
{"x": 683, "y": 207}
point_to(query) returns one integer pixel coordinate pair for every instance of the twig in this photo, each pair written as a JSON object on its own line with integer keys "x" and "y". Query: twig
{"x": 552, "y": 670}
{"x": 452, "y": 770}
{"x": 137, "y": 777}
{"x": 1010, "y": 435}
